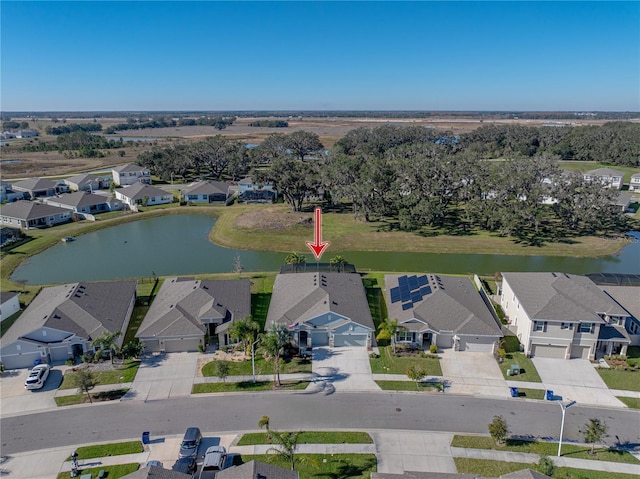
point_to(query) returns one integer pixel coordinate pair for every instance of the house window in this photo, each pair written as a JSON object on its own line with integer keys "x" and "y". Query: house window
{"x": 585, "y": 327}
{"x": 564, "y": 325}
{"x": 404, "y": 336}
{"x": 538, "y": 326}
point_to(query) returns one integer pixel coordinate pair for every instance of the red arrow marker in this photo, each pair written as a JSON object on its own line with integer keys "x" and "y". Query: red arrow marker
{"x": 318, "y": 247}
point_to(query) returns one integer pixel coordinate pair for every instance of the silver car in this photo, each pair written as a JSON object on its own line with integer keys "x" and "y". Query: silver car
{"x": 37, "y": 377}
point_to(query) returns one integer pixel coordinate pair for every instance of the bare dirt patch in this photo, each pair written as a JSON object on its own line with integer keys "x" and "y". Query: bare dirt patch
{"x": 270, "y": 219}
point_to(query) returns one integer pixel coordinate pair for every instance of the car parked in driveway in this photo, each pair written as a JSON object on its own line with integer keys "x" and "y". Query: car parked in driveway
{"x": 37, "y": 377}
{"x": 190, "y": 442}
{"x": 186, "y": 465}
{"x": 215, "y": 459}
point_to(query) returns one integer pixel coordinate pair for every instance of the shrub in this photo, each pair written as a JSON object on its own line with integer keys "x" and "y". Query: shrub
{"x": 545, "y": 465}
{"x": 499, "y": 429}
{"x": 374, "y": 356}
{"x": 201, "y": 348}
{"x": 433, "y": 349}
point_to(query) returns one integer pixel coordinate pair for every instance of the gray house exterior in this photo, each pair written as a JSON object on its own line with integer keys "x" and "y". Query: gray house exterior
{"x": 446, "y": 311}
{"x": 185, "y": 310}
{"x": 629, "y": 298}
{"x": 62, "y": 321}
{"x": 82, "y": 202}
{"x": 9, "y": 304}
{"x": 322, "y": 309}
{"x": 125, "y": 175}
{"x": 87, "y": 182}
{"x": 39, "y": 188}
{"x": 257, "y": 470}
{"x": 30, "y": 214}
{"x": 208, "y": 191}
{"x": 139, "y": 193}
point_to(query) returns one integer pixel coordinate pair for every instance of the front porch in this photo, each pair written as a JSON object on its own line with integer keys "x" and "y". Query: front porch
{"x": 613, "y": 340}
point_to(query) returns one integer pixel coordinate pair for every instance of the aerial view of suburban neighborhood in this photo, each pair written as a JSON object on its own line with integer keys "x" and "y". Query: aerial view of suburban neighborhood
{"x": 320, "y": 240}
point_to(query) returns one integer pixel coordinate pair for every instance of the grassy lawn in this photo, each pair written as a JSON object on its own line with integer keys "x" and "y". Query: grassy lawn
{"x": 112, "y": 449}
{"x": 246, "y": 386}
{"x": 633, "y": 356}
{"x": 633, "y": 403}
{"x": 322, "y": 466}
{"x": 112, "y": 472}
{"x": 527, "y": 369}
{"x": 124, "y": 374}
{"x": 619, "y": 379}
{"x": 374, "y": 286}
{"x": 263, "y": 366}
{"x": 96, "y": 397}
{"x": 584, "y": 166}
{"x": 312, "y": 437}
{"x": 531, "y": 393}
{"x": 544, "y": 448}
{"x": 408, "y": 386}
{"x": 7, "y": 323}
{"x": 387, "y": 363}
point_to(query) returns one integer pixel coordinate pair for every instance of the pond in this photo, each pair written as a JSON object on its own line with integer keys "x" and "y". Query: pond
{"x": 179, "y": 245}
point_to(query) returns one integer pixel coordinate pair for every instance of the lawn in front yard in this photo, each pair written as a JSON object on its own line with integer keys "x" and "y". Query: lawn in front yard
{"x": 112, "y": 472}
{"x": 119, "y": 374}
{"x": 633, "y": 403}
{"x": 312, "y": 437}
{"x": 95, "y": 397}
{"x": 111, "y": 449}
{"x": 531, "y": 393}
{"x": 388, "y": 363}
{"x": 620, "y": 379}
{"x": 409, "y": 386}
{"x": 321, "y": 465}
{"x": 243, "y": 368}
{"x": 528, "y": 371}
{"x": 246, "y": 386}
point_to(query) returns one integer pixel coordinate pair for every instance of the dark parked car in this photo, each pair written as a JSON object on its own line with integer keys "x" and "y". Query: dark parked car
{"x": 190, "y": 442}
{"x": 186, "y": 465}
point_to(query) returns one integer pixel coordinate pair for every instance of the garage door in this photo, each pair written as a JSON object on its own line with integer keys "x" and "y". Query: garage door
{"x": 59, "y": 354}
{"x": 580, "y": 352}
{"x": 548, "y": 351}
{"x": 477, "y": 347}
{"x": 319, "y": 338}
{"x": 181, "y": 345}
{"x": 18, "y": 361}
{"x": 151, "y": 345}
{"x": 350, "y": 340}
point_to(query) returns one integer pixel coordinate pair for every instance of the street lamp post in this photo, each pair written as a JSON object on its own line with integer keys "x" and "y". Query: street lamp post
{"x": 564, "y": 409}
{"x": 253, "y": 358}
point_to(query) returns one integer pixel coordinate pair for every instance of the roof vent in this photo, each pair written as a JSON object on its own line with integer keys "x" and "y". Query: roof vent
{"x": 171, "y": 306}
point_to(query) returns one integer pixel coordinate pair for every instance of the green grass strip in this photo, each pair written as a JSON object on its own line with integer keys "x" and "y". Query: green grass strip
{"x": 246, "y": 386}
{"x": 312, "y": 437}
{"x": 111, "y": 449}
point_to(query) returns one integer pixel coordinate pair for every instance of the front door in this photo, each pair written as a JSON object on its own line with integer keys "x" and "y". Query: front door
{"x": 302, "y": 339}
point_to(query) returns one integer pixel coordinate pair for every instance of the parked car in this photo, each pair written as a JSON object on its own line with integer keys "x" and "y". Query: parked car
{"x": 186, "y": 465}
{"x": 154, "y": 463}
{"x": 190, "y": 442}
{"x": 215, "y": 459}
{"x": 37, "y": 377}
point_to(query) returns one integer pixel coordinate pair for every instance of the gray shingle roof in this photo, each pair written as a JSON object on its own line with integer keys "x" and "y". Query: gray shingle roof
{"x": 604, "y": 172}
{"x": 423, "y": 475}
{"x": 140, "y": 190}
{"x": 208, "y": 187}
{"x": 6, "y": 296}
{"x": 32, "y": 184}
{"x": 156, "y": 472}
{"x": 180, "y": 305}
{"x": 79, "y": 199}
{"x": 84, "y": 309}
{"x": 525, "y": 474}
{"x": 454, "y": 305}
{"x": 30, "y": 210}
{"x": 128, "y": 168}
{"x": 298, "y": 297}
{"x": 257, "y": 470}
{"x": 625, "y": 296}
{"x": 635, "y": 175}
{"x": 561, "y": 297}
{"x": 613, "y": 332}
{"x": 82, "y": 179}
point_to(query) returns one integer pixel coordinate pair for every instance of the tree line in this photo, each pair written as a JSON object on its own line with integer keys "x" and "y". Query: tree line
{"x": 15, "y": 125}
{"x": 72, "y": 128}
{"x": 270, "y": 123}
{"x": 218, "y": 122}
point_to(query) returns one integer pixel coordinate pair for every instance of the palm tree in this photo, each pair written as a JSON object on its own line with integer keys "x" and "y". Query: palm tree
{"x": 273, "y": 344}
{"x": 389, "y": 328}
{"x": 107, "y": 342}
{"x": 295, "y": 258}
{"x": 244, "y": 330}
{"x": 285, "y": 446}
{"x": 337, "y": 262}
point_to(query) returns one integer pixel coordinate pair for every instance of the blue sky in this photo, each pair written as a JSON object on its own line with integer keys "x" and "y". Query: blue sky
{"x": 84, "y": 56}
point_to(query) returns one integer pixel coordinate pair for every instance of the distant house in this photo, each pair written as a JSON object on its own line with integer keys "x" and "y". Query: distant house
{"x": 208, "y": 191}
{"x": 83, "y": 202}
{"x": 143, "y": 195}
{"x": 62, "y": 321}
{"x": 622, "y": 201}
{"x": 39, "y": 188}
{"x": 9, "y": 304}
{"x": 7, "y": 194}
{"x": 130, "y": 175}
{"x": 9, "y": 235}
{"x": 30, "y": 214}
{"x": 609, "y": 177}
{"x": 87, "y": 182}
{"x": 322, "y": 309}
{"x": 256, "y": 470}
{"x": 446, "y": 311}
{"x": 251, "y": 192}
{"x": 634, "y": 184}
{"x": 26, "y": 134}
{"x": 565, "y": 316}
{"x": 185, "y": 311}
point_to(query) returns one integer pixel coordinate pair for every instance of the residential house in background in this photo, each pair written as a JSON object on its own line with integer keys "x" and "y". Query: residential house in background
{"x": 7, "y": 194}
{"x": 185, "y": 311}
{"x": 322, "y": 309}
{"x": 26, "y": 133}
{"x": 257, "y": 470}
{"x": 208, "y": 191}
{"x": 39, "y": 188}
{"x": 250, "y": 192}
{"x": 62, "y": 321}
{"x": 83, "y": 202}
{"x": 609, "y": 177}
{"x": 143, "y": 195}
{"x": 622, "y": 201}
{"x": 629, "y": 298}
{"x": 31, "y": 214}
{"x": 634, "y": 184}
{"x": 87, "y": 182}
{"x": 125, "y": 175}
{"x": 446, "y": 311}
{"x": 9, "y": 235}
{"x": 566, "y": 316}
{"x": 9, "y": 304}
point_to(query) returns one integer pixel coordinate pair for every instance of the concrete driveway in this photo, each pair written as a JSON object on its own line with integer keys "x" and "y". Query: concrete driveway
{"x": 400, "y": 451}
{"x": 575, "y": 379}
{"x": 472, "y": 373}
{"x": 164, "y": 376}
{"x": 15, "y": 399}
{"x": 342, "y": 369}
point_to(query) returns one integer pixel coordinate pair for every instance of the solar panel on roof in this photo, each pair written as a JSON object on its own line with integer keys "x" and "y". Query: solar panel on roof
{"x": 405, "y": 295}
{"x": 425, "y": 290}
{"x": 422, "y": 280}
{"x": 402, "y": 281}
{"x": 395, "y": 295}
{"x": 416, "y": 296}
{"x": 406, "y": 306}
{"x": 413, "y": 282}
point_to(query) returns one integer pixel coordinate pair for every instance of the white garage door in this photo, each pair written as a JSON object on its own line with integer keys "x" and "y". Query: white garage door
{"x": 181, "y": 345}
{"x": 548, "y": 351}
{"x": 59, "y": 354}
{"x": 18, "y": 361}
{"x": 319, "y": 338}
{"x": 580, "y": 352}
{"x": 350, "y": 340}
{"x": 478, "y": 347}
{"x": 151, "y": 345}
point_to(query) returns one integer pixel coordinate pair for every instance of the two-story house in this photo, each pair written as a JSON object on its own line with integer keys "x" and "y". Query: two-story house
{"x": 125, "y": 175}
{"x": 564, "y": 316}
{"x": 634, "y": 184}
{"x": 609, "y": 177}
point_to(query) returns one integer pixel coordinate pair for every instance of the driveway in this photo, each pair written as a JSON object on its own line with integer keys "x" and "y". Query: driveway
{"x": 15, "y": 399}
{"x": 575, "y": 379}
{"x": 164, "y": 376}
{"x": 472, "y": 373}
{"x": 400, "y": 451}
{"x": 342, "y": 369}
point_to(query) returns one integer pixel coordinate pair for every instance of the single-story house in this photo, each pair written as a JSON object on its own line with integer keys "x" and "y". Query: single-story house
{"x": 39, "y": 188}
{"x": 208, "y": 191}
{"x": 186, "y": 310}
{"x": 157, "y": 472}
{"x": 9, "y": 235}
{"x": 629, "y": 298}
{"x": 83, "y": 202}
{"x": 143, "y": 195}
{"x": 565, "y": 316}
{"x": 634, "y": 184}
{"x": 446, "y": 311}
{"x": 31, "y": 214}
{"x": 62, "y": 321}
{"x": 7, "y": 194}
{"x": 87, "y": 182}
{"x": 26, "y": 134}
{"x": 250, "y": 192}
{"x": 9, "y": 304}
{"x": 609, "y": 177}
{"x": 322, "y": 309}
{"x": 622, "y": 201}
{"x": 521, "y": 474}
{"x": 257, "y": 470}
{"x": 125, "y": 175}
